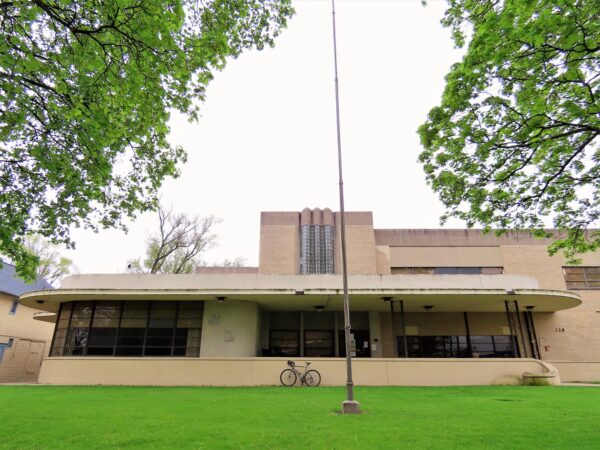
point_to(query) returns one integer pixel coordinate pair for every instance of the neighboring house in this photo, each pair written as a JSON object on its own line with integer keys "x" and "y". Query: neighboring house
{"x": 23, "y": 340}
{"x": 427, "y": 307}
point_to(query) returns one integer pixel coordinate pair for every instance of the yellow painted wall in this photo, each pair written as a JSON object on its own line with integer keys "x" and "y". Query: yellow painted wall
{"x": 265, "y": 371}
{"x": 31, "y": 341}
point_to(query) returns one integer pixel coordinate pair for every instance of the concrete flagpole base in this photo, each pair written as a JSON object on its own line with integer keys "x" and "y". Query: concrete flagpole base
{"x": 350, "y": 407}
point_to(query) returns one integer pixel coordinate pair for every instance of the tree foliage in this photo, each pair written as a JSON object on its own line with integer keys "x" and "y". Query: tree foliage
{"x": 178, "y": 244}
{"x": 515, "y": 140}
{"x": 86, "y": 91}
{"x": 52, "y": 265}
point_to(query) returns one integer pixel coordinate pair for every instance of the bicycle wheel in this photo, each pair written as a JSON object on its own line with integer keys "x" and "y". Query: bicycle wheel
{"x": 288, "y": 377}
{"x": 312, "y": 378}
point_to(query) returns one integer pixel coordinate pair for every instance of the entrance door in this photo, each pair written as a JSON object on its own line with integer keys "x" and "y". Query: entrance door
{"x": 360, "y": 344}
{"x": 34, "y": 361}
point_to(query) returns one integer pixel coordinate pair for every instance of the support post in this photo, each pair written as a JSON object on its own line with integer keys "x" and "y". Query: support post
{"x": 336, "y": 334}
{"x": 518, "y": 314}
{"x": 535, "y": 349}
{"x": 394, "y": 334}
{"x": 512, "y": 331}
{"x": 468, "y": 331}
{"x": 403, "y": 318}
{"x": 301, "y": 335}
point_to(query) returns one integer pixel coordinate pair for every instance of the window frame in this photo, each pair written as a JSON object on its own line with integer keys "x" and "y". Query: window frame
{"x": 13, "y": 308}
{"x": 87, "y": 333}
{"x": 587, "y": 287}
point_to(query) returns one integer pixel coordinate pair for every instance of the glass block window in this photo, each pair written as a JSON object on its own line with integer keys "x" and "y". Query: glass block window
{"x": 317, "y": 249}
{"x": 582, "y": 277}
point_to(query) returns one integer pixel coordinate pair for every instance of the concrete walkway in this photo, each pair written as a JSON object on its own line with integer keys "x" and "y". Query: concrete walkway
{"x": 581, "y": 384}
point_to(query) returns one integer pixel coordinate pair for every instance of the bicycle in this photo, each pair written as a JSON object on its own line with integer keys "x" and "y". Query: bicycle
{"x": 289, "y": 376}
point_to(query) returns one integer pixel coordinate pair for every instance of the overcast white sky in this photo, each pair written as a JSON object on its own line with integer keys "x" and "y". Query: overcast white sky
{"x": 266, "y": 139}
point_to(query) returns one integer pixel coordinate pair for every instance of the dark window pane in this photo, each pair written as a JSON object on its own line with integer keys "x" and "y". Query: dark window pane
{"x": 181, "y": 341}
{"x": 107, "y": 310}
{"x": 137, "y": 332}
{"x": 179, "y": 351}
{"x": 74, "y": 351}
{"x": 158, "y": 351}
{"x": 134, "y": 323}
{"x": 160, "y": 332}
{"x": 129, "y": 351}
{"x": 191, "y": 310}
{"x": 100, "y": 351}
{"x": 82, "y": 310}
{"x": 189, "y": 323}
{"x": 161, "y": 310}
{"x": 445, "y": 271}
{"x": 161, "y": 323}
{"x": 159, "y": 341}
{"x": 483, "y": 346}
{"x": 318, "y": 343}
{"x": 77, "y": 337}
{"x": 503, "y": 346}
{"x": 284, "y": 343}
{"x": 130, "y": 341}
{"x": 102, "y": 337}
{"x": 135, "y": 310}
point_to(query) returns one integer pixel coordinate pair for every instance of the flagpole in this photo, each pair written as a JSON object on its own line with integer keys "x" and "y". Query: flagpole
{"x": 349, "y": 406}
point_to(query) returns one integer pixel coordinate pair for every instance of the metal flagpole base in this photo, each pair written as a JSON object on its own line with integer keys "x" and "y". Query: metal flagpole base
{"x": 350, "y": 407}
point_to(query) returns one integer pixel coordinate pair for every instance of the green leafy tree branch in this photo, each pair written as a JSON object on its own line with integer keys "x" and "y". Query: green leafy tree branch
{"x": 514, "y": 142}
{"x": 86, "y": 91}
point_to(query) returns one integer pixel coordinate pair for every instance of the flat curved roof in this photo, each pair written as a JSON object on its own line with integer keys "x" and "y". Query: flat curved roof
{"x": 362, "y": 299}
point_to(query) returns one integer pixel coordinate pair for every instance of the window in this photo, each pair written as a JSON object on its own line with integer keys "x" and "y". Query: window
{"x": 456, "y": 346}
{"x": 447, "y": 270}
{"x": 13, "y": 308}
{"x": 319, "y": 343}
{"x": 582, "y": 277}
{"x": 316, "y": 249}
{"x": 131, "y": 328}
{"x": 284, "y": 343}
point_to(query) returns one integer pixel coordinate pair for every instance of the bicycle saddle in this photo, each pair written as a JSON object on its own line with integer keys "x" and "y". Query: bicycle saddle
{"x": 291, "y": 363}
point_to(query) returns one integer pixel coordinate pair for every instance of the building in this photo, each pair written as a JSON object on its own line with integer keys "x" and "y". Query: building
{"x": 427, "y": 307}
{"x": 23, "y": 340}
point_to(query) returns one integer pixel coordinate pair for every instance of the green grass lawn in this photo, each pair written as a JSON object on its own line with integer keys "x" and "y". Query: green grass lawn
{"x": 308, "y": 418}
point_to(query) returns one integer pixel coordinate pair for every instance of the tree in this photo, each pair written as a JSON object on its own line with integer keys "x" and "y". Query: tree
{"x": 52, "y": 266}
{"x": 86, "y": 92}
{"x": 514, "y": 142}
{"x": 239, "y": 261}
{"x": 177, "y": 245}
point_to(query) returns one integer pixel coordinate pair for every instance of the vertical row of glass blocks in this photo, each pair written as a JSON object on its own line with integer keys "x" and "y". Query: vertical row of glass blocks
{"x": 316, "y": 249}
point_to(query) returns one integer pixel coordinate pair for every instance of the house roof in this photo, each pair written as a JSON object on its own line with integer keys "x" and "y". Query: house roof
{"x": 12, "y": 284}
